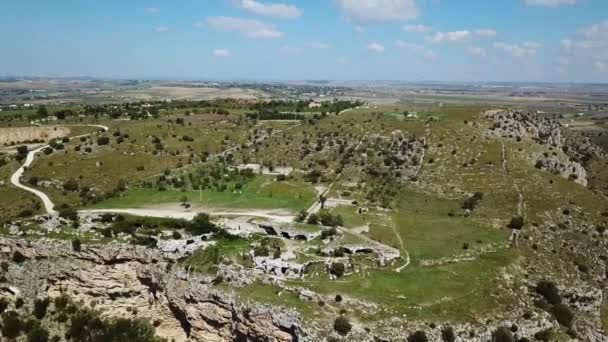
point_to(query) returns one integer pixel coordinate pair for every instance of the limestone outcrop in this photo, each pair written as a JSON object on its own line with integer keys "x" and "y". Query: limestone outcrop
{"x": 132, "y": 281}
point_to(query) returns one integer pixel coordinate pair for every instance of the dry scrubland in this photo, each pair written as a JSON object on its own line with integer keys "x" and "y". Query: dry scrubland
{"x": 392, "y": 181}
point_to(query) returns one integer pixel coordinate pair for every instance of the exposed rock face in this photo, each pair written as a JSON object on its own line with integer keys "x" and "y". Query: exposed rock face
{"x": 131, "y": 281}
{"x": 546, "y": 131}
{"x": 27, "y": 134}
{"x": 570, "y": 169}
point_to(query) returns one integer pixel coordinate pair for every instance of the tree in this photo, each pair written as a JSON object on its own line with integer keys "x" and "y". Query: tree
{"x": 418, "y": 336}
{"x": 342, "y": 326}
{"x": 322, "y": 200}
{"x": 313, "y": 219}
{"x": 68, "y": 213}
{"x": 103, "y": 141}
{"x": 517, "y": 222}
{"x": 42, "y": 112}
{"x": 22, "y": 149}
{"x": 201, "y": 224}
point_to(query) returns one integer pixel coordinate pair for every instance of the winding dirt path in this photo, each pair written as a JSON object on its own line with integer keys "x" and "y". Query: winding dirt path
{"x": 29, "y": 159}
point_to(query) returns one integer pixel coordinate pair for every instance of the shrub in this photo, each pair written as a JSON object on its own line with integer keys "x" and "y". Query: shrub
{"x": 76, "y": 245}
{"x": 3, "y": 304}
{"x": 549, "y": 291}
{"x": 563, "y": 315}
{"x": 517, "y": 222}
{"x": 61, "y": 302}
{"x": 11, "y": 325}
{"x": 342, "y": 326}
{"x": 301, "y": 216}
{"x": 418, "y": 336}
{"x": 103, "y": 141}
{"x": 40, "y": 306}
{"x": 261, "y": 251}
{"x": 201, "y": 224}
{"x": 544, "y": 335}
{"x": 502, "y": 334}
{"x": 472, "y": 202}
{"x": 329, "y": 219}
{"x": 337, "y": 268}
{"x": 68, "y": 213}
{"x": 313, "y": 219}
{"x": 38, "y": 334}
{"x": 71, "y": 185}
{"x": 447, "y": 334}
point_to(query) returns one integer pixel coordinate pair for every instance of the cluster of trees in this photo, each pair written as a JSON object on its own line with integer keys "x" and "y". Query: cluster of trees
{"x": 82, "y": 324}
{"x": 324, "y": 217}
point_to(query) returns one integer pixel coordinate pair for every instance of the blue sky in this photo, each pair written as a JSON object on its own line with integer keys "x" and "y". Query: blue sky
{"x": 416, "y": 40}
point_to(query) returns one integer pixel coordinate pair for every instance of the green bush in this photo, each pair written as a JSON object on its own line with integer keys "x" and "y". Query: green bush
{"x": 40, "y": 307}
{"x": 3, "y": 304}
{"x": 418, "y": 336}
{"x": 76, "y": 245}
{"x": 38, "y": 334}
{"x": 11, "y": 325}
{"x": 201, "y": 224}
{"x": 61, "y": 302}
{"x": 549, "y": 291}
{"x": 502, "y": 334}
{"x": 563, "y": 315}
{"x": 342, "y": 326}
{"x": 517, "y": 222}
{"x": 447, "y": 334}
{"x": 337, "y": 268}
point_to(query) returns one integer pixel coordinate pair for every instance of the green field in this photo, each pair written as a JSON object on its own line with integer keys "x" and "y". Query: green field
{"x": 261, "y": 193}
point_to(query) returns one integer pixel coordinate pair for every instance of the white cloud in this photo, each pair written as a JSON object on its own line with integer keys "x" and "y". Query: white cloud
{"x": 270, "y": 9}
{"x": 430, "y": 55}
{"x": 477, "y": 51}
{"x": 221, "y": 53}
{"x": 416, "y": 49}
{"x": 152, "y": 10}
{"x": 515, "y": 50}
{"x": 161, "y": 29}
{"x": 370, "y": 11}
{"x": 551, "y": 3}
{"x": 417, "y": 28}
{"x": 409, "y": 46}
{"x": 319, "y": 45}
{"x": 532, "y": 45}
{"x": 286, "y": 49}
{"x": 562, "y": 60}
{"x": 375, "y": 47}
{"x": 597, "y": 31}
{"x": 485, "y": 33}
{"x": 451, "y": 37}
{"x": 589, "y": 46}
{"x": 248, "y": 27}
{"x": 601, "y": 66}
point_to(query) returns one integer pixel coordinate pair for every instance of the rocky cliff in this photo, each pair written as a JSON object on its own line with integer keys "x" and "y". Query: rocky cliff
{"x": 131, "y": 281}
